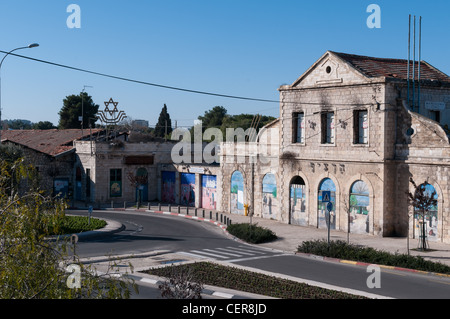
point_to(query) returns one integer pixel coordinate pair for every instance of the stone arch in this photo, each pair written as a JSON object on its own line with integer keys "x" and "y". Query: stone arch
{"x": 237, "y": 192}
{"x": 298, "y": 201}
{"x": 269, "y": 196}
{"x": 327, "y": 187}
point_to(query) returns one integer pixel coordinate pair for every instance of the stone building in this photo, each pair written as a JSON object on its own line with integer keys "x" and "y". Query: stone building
{"x": 352, "y": 131}
{"x": 128, "y": 172}
{"x": 52, "y": 153}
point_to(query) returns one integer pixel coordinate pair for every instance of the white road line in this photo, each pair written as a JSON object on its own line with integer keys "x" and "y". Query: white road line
{"x": 194, "y": 255}
{"x": 257, "y": 251}
{"x": 201, "y": 252}
{"x": 221, "y": 252}
{"x": 254, "y": 258}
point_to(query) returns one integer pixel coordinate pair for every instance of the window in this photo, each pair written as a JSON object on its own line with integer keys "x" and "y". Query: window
{"x": 327, "y": 122}
{"x": 436, "y": 116}
{"x": 115, "y": 182}
{"x": 299, "y": 128}
{"x": 361, "y": 127}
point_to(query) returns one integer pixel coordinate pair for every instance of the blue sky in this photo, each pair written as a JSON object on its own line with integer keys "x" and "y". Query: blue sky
{"x": 244, "y": 48}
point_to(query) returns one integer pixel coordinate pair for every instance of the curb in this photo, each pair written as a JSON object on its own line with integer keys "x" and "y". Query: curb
{"x": 359, "y": 263}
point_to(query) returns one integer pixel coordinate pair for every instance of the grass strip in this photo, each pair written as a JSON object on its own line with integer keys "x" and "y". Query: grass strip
{"x": 243, "y": 280}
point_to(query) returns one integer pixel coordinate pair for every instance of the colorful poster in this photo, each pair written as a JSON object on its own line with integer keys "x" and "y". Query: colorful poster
{"x": 168, "y": 187}
{"x": 431, "y": 218}
{"x": 237, "y": 193}
{"x": 298, "y": 214}
{"x": 187, "y": 189}
{"x": 269, "y": 195}
{"x": 359, "y": 208}
{"x": 323, "y": 215}
{"x": 115, "y": 188}
{"x": 209, "y": 185}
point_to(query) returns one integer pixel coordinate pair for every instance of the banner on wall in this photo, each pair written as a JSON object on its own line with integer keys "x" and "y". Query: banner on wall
{"x": 168, "y": 187}
{"x": 209, "y": 184}
{"x": 187, "y": 189}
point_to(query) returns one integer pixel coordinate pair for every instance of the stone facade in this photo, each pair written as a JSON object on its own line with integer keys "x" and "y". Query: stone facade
{"x": 348, "y": 130}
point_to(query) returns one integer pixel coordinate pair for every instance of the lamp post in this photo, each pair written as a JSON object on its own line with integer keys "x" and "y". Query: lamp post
{"x": 33, "y": 45}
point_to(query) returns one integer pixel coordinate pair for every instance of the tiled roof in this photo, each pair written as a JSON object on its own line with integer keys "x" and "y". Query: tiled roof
{"x": 392, "y": 68}
{"x": 51, "y": 142}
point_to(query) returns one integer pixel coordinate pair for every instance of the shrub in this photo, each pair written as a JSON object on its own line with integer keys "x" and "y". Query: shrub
{"x": 341, "y": 250}
{"x": 251, "y": 233}
{"x": 78, "y": 224}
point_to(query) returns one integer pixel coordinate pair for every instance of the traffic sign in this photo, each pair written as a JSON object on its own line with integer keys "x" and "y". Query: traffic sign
{"x": 330, "y": 207}
{"x": 326, "y": 196}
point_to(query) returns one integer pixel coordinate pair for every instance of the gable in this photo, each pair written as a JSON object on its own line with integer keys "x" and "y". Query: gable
{"x": 330, "y": 70}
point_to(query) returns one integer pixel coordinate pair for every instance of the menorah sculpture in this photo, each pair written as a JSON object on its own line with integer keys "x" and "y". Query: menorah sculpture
{"x": 115, "y": 116}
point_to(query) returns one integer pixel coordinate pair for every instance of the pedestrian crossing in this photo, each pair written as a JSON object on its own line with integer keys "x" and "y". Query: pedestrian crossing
{"x": 230, "y": 253}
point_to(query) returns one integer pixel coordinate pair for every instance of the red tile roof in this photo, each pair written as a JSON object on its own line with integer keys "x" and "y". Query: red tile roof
{"x": 51, "y": 142}
{"x": 392, "y": 68}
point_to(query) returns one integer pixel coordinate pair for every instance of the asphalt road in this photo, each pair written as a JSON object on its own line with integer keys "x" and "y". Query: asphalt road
{"x": 144, "y": 232}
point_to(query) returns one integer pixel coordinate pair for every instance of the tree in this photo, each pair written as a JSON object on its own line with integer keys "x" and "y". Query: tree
{"x": 43, "y": 125}
{"x": 72, "y": 109}
{"x": 423, "y": 201}
{"x": 164, "y": 125}
{"x": 32, "y": 265}
{"x": 214, "y": 117}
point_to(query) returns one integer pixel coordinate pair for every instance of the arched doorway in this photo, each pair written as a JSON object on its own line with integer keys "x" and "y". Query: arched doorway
{"x": 297, "y": 202}
{"x": 430, "y": 220}
{"x": 237, "y": 193}
{"x": 359, "y": 208}
{"x": 326, "y": 187}
{"x": 269, "y": 197}
{"x": 142, "y": 185}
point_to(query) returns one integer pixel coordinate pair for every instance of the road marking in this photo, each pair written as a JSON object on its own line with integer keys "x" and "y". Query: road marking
{"x": 207, "y": 253}
{"x": 222, "y": 252}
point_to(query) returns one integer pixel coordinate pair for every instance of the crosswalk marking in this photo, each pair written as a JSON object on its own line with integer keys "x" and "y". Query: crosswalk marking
{"x": 228, "y": 253}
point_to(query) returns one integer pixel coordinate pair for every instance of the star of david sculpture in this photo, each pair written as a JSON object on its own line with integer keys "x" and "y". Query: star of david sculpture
{"x": 111, "y": 117}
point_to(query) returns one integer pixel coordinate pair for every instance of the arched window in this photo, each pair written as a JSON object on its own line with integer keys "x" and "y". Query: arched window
{"x": 297, "y": 201}
{"x": 269, "y": 197}
{"x": 431, "y": 216}
{"x": 326, "y": 194}
{"x": 237, "y": 193}
{"x": 359, "y": 208}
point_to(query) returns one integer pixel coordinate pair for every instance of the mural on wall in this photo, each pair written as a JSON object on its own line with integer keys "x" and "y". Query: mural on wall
{"x": 237, "y": 193}
{"x": 168, "y": 187}
{"x": 298, "y": 215}
{"x": 269, "y": 195}
{"x": 209, "y": 183}
{"x": 60, "y": 187}
{"x": 431, "y": 219}
{"x": 187, "y": 189}
{"x": 322, "y": 214}
{"x": 359, "y": 208}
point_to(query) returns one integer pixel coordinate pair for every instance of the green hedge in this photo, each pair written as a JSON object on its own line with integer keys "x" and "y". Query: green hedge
{"x": 342, "y": 250}
{"x": 77, "y": 224}
{"x": 251, "y": 233}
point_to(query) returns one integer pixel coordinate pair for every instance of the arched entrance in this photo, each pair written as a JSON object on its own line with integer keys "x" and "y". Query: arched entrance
{"x": 429, "y": 220}
{"x": 326, "y": 187}
{"x": 269, "y": 197}
{"x": 237, "y": 193}
{"x": 359, "y": 208}
{"x": 297, "y": 202}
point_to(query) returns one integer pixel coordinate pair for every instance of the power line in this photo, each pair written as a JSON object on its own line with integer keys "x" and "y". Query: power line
{"x": 181, "y": 89}
{"x": 142, "y": 82}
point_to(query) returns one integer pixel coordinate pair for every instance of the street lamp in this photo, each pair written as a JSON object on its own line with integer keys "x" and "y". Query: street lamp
{"x": 32, "y": 45}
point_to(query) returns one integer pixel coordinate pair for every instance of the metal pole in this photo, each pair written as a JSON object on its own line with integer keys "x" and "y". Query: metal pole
{"x": 414, "y": 65}
{"x": 409, "y": 58}
{"x": 418, "y": 84}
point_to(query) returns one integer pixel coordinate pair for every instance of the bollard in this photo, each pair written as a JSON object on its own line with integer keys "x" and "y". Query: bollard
{"x": 210, "y": 214}
{"x": 221, "y": 218}
{"x": 217, "y": 216}
{"x": 124, "y": 205}
{"x": 187, "y": 210}
{"x": 112, "y": 204}
{"x": 170, "y": 208}
{"x": 178, "y": 210}
{"x": 159, "y": 206}
{"x": 148, "y": 206}
{"x": 203, "y": 214}
{"x": 195, "y": 211}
